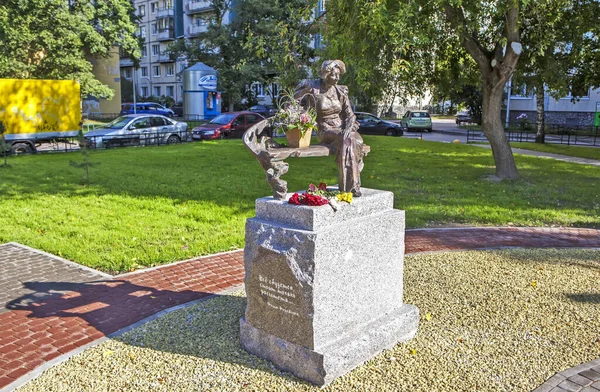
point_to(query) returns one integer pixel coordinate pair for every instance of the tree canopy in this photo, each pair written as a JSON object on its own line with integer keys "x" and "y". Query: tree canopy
{"x": 54, "y": 39}
{"x": 561, "y": 51}
{"x": 266, "y": 41}
{"x": 388, "y": 36}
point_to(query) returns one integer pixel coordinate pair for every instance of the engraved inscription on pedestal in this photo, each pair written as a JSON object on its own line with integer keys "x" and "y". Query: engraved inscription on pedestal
{"x": 277, "y": 301}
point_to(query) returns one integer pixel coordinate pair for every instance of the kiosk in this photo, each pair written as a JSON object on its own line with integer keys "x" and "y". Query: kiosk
{"x": 201, "y": 100}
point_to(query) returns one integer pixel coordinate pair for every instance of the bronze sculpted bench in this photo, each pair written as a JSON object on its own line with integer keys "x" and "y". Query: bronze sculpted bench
{"x": 272, "y": 155}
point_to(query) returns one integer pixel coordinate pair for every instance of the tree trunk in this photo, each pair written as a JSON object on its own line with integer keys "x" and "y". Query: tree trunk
{"x": 540, "y": 135}
{"x": 494, "y": 131}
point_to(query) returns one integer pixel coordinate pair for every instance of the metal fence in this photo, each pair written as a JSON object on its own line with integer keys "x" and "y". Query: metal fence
{"x": 102, "y": 117}
{"x": 192, "y": 120}
{"x": 67, "y": 144}
{"x": 554, "y": 134}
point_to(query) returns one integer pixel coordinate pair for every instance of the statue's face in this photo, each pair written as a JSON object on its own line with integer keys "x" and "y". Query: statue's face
{"x": 333, "y": 77}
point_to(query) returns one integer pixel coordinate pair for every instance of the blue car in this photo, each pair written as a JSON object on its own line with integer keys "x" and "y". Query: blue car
{"x": 146, "y": 108}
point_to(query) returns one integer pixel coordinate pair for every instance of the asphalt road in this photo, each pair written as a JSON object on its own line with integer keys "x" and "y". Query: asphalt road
{"x": 444, "y": 131}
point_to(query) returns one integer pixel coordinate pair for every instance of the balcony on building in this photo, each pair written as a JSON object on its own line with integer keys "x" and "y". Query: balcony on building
{"x": 194, "y": 30}
{"x": 196, "y": 6}
{"x": 165, "y": 12}
{"x": 125, "y": 62}
{"x": 165, "y": 35}
{"x": 166, "y": 58}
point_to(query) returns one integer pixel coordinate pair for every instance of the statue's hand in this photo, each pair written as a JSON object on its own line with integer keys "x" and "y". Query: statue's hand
{"x": 352, "y": 128}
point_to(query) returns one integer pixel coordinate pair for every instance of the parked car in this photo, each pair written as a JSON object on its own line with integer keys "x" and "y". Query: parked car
{"x": 463, "y": 117}
{"x": 178, "y": 109}
{"x": 226, "y": 125}
{"x": 136, "y": 130}
{"x": 370, "y": 124}
{"x": 264, "y": 110}
{"x": 146, "y": 108}
{"x": 417, "y": 120}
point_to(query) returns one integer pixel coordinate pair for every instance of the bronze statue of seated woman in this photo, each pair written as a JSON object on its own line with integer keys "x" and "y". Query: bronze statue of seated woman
{"x": 337, "y": 131}
{"x": 336, "y": 122}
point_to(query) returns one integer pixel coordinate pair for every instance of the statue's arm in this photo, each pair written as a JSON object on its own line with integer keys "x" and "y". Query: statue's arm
{"x": 302, "y": 90}
{"x": 350, "y": 123}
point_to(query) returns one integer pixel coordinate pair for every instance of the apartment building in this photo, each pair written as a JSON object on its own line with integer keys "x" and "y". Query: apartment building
{"x": 584, "y": 111}
{"x": 161, "y": 22}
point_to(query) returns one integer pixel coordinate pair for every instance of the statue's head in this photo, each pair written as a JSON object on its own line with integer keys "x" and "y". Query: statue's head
{"x": 332, "y": 69}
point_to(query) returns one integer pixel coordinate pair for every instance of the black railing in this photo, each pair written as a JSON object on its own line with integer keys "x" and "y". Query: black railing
{"x": 554, "y": 134}
{"x": 104, "y": 117}
{"x": 66, "y": 144}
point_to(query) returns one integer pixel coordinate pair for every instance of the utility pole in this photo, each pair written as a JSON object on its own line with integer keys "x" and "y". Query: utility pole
{"x": 134, "y": 91}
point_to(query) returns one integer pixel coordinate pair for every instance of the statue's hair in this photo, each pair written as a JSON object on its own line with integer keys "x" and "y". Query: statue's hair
{"x": 329, "y": 65}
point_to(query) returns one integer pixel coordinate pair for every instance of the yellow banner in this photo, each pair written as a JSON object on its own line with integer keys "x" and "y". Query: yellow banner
{"x": 39, "y": 106}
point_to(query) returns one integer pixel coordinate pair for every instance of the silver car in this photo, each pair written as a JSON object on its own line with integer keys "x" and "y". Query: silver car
{"x": 138, "y": 130}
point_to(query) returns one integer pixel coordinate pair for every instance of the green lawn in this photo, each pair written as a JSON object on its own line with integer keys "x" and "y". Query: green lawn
{"x": 154, "y": 205}
{"x": 574, "y": 151}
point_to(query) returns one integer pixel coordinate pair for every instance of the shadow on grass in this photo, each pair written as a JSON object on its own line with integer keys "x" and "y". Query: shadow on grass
{"x": 224, "y": 173}
{"x": 434, "y": 182}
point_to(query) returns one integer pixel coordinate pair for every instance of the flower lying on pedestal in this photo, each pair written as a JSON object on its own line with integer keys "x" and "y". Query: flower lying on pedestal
{"x": 319, "y": 196}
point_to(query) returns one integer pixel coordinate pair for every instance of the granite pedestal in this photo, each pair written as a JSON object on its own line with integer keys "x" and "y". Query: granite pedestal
{"x": 325, "y": 287}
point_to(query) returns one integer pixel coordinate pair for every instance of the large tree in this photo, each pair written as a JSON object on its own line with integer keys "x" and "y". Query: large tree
{"x": 54, "y": 39}
{"x": 266, "y": 41}
{"x": 562, "y": 53}
{"x": 375, "y": 35}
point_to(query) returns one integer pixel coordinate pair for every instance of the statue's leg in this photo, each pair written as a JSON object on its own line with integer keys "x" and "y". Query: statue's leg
{"x": 274, "y": 172}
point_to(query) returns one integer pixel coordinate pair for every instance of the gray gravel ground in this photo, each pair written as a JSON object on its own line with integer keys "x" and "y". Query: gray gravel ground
{"x": 490, "y": 320}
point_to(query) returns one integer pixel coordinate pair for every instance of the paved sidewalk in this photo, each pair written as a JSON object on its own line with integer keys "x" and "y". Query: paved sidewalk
{"x": 47, "y": 320}
{"x": 558, "y": 157}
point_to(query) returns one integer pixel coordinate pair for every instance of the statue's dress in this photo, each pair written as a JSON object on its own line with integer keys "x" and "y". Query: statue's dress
{"x": 337, "y": 127}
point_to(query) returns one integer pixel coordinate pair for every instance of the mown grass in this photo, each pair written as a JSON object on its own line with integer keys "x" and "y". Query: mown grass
{"x": 154, "y": 205}
{"x": 574, "y": 151}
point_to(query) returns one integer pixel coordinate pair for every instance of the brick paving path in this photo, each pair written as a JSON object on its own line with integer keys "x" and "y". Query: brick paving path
{"x": 30, "y": 275}
{"x": 582, "y": 378}
{"x": 37, "y": 329}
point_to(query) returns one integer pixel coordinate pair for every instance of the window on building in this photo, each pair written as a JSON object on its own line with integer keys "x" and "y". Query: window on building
{"x": 154, "y": 29}
{"x": 520, "y": 90}
{"x": 257, "y": 90}
{"x": 167, "y": 4}
{"x": 169, "y": 70}
{"x": 155, "y": 50}
{"x": 199, "y": 21}
{"x": 274, "y": 90}
{"x": 318, "y": 43}
{"x": 165, "y": 24}
{"x": 144, "y": 91}
{"x": 156, "y": 71}
{"x": 578, "y": 90}
{"x": 143, "y": 31}
{"x": 170, "y": 91}
{"x": 157, "y": 91}
{"x": 128, "y": 73}
{"x": 153, "y": 7}
{"x": 144, "y": 71}
{"x": 144, "y": 51}
{"x": 320, "y": 9}
{"x": 142, "y": 10}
